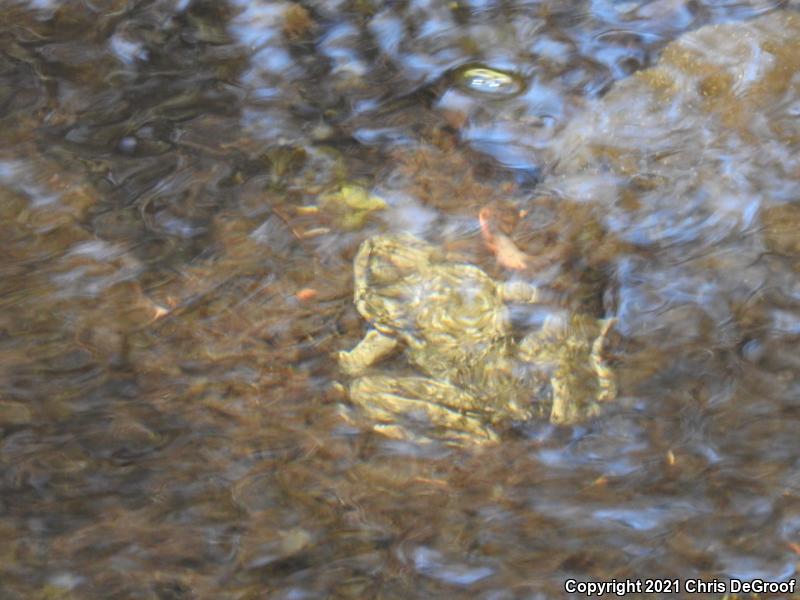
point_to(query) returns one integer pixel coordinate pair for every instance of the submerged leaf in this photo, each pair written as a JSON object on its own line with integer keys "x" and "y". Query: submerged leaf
{"x": 351, "y": 205}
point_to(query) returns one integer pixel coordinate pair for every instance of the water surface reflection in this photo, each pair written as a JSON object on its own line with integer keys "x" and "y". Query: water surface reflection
{"x": 183, "y": 185}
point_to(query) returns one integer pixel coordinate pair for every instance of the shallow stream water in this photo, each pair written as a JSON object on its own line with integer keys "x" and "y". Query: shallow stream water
{"x": 176, "y": 279}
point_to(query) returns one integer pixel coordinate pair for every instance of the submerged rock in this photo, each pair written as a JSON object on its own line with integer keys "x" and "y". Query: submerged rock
{"x": 714, "y": 96}
{"x": 696, "y": 160}
{"x": 781, "y": 224}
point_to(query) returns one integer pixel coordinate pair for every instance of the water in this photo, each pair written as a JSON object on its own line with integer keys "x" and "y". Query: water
{"x": 177, "y": 279}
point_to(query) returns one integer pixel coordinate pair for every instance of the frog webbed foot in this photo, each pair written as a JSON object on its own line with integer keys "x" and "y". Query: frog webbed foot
{"x": 386, "y": 399}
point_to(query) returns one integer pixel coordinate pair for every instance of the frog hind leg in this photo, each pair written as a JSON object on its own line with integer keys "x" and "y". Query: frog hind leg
{"x": 385, "y": 399}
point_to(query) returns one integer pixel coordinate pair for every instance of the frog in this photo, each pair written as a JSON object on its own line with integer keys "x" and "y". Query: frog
{"x": 471, "y": 373}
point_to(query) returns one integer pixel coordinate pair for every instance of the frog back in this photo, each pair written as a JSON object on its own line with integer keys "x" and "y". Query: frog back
{"x": 446, "y": 313}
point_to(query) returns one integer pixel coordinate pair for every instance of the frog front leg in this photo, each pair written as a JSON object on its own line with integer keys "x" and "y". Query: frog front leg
{"x": 385, "y": 398}
{"x": 525, "y": 293}
{"x": 568, "y": 347}
{"x": 573, "y": 401}
{"x": 606, "y": 377}
{"x": 369, "y": 350}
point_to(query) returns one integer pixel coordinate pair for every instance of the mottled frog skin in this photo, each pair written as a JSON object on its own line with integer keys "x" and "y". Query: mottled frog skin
{"x": 453, "y": 323}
